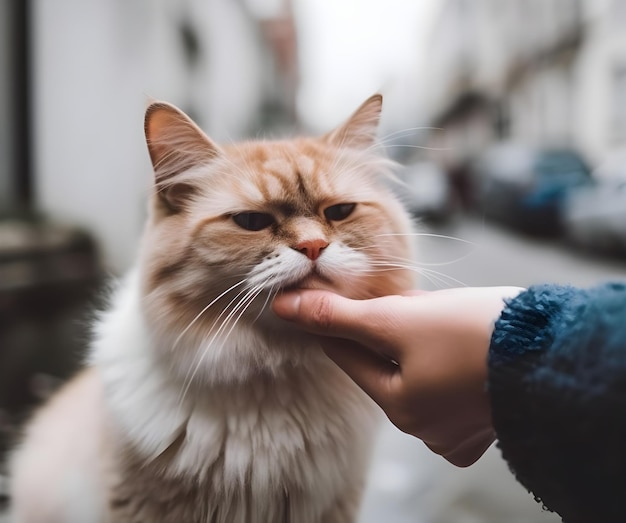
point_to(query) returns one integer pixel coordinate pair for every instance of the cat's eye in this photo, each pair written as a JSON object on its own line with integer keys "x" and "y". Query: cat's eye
{"x": 339, "y": 212}
{"x": 253, "y": 221}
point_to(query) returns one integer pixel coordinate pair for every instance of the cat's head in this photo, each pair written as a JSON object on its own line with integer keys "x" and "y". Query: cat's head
{"x": 230, "y": 226}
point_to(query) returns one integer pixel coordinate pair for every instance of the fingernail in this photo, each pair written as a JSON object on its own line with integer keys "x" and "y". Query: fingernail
{"x": 287, "y": 305}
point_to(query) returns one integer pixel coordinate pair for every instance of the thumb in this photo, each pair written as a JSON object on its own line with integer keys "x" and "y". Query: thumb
{"x": 329, "y": 314}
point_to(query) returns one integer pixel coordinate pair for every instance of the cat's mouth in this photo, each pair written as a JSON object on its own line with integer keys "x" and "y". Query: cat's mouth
{"x": 314, "y": 280}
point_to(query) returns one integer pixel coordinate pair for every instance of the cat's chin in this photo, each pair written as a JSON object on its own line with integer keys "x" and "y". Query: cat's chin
{"x": 313, "y": 281}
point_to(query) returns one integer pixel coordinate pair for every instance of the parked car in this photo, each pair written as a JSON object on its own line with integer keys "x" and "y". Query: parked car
{"x": 426, "y": 192}
{"x": 595, "y": 216}
{"x": 525, "y": 187}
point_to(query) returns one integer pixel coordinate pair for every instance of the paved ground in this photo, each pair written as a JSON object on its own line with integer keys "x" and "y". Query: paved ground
{"x": 408, "y": 483}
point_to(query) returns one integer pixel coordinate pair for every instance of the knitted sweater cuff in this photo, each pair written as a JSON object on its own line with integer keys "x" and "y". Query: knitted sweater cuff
{"x": 522, "y": 335}
{"x": 525, "y": 327}
{"x": 557, "y": 385}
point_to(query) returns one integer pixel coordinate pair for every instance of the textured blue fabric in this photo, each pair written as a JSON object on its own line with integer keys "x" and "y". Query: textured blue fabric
{"x": 557, "y": 383}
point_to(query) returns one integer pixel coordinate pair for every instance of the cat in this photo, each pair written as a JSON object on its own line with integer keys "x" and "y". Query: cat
{"x": 198, "y": 404}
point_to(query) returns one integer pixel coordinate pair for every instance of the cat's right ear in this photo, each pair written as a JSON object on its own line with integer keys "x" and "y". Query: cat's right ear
{"x": 176, "y": 145}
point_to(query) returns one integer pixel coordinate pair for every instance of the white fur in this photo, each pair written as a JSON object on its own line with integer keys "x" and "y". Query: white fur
{"x": 272, "y": 434}
{"x": 56, "y": 475}
{"x": 287, "y": 266}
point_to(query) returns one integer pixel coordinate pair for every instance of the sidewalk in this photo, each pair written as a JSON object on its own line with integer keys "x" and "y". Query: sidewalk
{"x": 410, "y": 484}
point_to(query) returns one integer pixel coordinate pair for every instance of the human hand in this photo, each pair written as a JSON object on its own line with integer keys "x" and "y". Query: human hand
{"x": 422, "y": 357}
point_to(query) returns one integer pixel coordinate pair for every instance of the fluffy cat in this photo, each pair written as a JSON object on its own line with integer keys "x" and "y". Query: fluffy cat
{"x": 198, "y": 404}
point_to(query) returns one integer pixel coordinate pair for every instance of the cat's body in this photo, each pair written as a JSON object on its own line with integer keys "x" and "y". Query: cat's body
{"x": 199, "y": 405}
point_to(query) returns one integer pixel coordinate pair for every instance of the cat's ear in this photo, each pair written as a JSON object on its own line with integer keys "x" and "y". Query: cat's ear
{"x": 176, "y": 145}
{"x": 359, "y": 131}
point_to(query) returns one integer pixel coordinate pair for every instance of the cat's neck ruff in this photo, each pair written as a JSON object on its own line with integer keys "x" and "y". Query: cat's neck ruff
{"x": 152, "y": 407}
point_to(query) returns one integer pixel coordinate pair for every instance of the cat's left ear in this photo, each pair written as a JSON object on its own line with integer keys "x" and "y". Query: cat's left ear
{"x": 359, "y": 131}
{"x": 176, "y": 145}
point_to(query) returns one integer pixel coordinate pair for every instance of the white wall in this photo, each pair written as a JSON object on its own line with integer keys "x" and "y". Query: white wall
{"x": 96, "y": 62}
{"x": 603, "y": 51}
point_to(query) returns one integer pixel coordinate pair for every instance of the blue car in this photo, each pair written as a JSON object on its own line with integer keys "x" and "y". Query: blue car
{"x": 525, "y": 188}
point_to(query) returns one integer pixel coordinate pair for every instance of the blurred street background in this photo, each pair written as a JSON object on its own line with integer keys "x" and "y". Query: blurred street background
{"x": 508, "y": 118}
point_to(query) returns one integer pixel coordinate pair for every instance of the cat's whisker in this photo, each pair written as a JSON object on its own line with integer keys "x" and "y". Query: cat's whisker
{"x": 216, "y": 321}
{"x": 376, "y": 246}
{"x": 428, "y": 273}
{"x": 192, "y": 322}
{"x": 437, "y": 282}
{"x": 191, "y": 372}
{"x": 244, "y": 305}
{"x": 445, "y": 279}
{"x": 424, "y": 234}
{"x": 409, "y": 130}
{"x": 418, "y": 263}
{"x": 241, "y": 307}
{"x": 433, "y": 278}
{"x": 248, "y": 298}
{"x": 422, "y": 147}
{"x": 267, "y": 300}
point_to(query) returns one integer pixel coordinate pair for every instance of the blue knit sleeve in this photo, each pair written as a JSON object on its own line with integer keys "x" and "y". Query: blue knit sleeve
{"x": 557, "y": 383}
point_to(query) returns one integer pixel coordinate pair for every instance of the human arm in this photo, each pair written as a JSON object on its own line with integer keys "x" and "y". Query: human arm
{"x": 556, "y": 379}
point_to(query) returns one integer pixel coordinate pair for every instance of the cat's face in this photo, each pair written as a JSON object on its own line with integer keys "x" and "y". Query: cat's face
{"x": 232, "y": 226}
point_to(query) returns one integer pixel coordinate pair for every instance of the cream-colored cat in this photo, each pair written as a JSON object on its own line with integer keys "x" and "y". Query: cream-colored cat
{"x": 198, "y": 404}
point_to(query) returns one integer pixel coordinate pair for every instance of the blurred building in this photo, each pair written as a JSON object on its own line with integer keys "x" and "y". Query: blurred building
{"x": 75, "y": 78}
{"x": 87, "y": 70}
{"x": 96, "y": 64}
{"x": 541, "y": 72}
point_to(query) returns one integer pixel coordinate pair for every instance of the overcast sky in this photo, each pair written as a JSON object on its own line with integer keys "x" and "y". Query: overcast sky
{"x": 350, "y": 49}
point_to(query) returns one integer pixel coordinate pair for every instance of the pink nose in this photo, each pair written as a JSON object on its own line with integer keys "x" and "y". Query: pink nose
{"x": 312, "y": 248}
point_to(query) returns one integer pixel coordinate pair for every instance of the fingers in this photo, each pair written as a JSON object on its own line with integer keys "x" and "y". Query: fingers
{"x": 329, "y": 314}
{"x": 354, "y": 336}
{"x": 376, "y": 375}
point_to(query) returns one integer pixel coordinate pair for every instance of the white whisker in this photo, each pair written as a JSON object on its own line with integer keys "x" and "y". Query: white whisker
{"x": 408, "y": 131}
{"x": 425, "y": 234}
{"x": 446, "y": 279}
{"x": 203, "y": 311}
{"x": 248, "y": 298}
{"x": 428, "y": 273}
{"x": 191, "y": 373}
{"x": 421, "y": 264}
{"x": 422, "y": 147}
{"x": 267, "y": 300}
{"x": 244, "y": 307}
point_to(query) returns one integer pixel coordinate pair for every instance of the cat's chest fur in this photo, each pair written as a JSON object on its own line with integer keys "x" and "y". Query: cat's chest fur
{"x": 256, "y": 463}
{"x": 276, "y": 447}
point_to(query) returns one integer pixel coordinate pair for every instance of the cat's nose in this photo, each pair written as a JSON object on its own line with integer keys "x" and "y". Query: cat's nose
{"x": 312, "y": 248}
